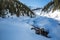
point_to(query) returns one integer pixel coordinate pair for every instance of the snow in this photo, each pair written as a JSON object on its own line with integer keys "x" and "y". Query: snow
{"x": 16, "y": 31}
{"x": 20, "y": 28}
{"x": 54, "y": 15}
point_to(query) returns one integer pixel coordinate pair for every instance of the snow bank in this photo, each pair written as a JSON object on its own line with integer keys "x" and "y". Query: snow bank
{"x": 14, "y": 29}
{"x": 54, "y": 15}
{"x": 20, "y": 28}
{"x": 48, "y": 24}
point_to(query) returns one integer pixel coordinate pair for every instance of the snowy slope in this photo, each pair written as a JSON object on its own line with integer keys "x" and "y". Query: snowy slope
{"x": 20, "y": 28}
{"x": 55, "y": 14}
{"x": 11, "y": 29}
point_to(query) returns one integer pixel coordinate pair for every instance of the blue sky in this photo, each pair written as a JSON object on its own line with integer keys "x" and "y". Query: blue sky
{"x": 35, "y": 3}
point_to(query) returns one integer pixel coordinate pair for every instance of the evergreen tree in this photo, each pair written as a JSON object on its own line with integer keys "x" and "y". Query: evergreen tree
{"x": 55, "y": 4}
{"x": 14, "y": 7}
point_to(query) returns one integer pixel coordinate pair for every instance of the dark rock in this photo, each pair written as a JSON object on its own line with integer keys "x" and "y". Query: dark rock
{"x": 41, "y": 31}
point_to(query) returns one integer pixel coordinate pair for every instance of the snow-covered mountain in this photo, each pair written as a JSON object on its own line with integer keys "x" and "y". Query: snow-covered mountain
{"x": 55, "y": 14}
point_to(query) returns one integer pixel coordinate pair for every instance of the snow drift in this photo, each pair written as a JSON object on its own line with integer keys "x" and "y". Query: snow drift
{"x": 20, "y": 28}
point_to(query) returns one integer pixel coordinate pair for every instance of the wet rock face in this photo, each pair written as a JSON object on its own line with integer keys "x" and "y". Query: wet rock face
{"x": 40, "y": 31}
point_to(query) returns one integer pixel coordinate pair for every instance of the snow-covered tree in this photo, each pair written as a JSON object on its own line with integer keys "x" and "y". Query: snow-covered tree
{"x": 14, "y": 7}
{"x": 54, "y": 5}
